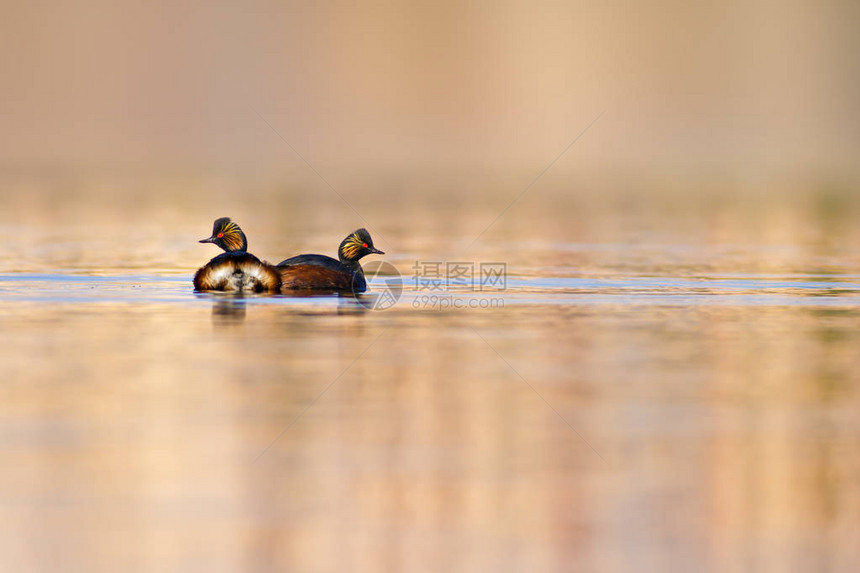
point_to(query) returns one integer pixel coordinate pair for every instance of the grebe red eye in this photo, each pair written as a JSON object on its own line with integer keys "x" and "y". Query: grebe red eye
{"x": 220, "y": 235}
{"x": 364, "y": 245}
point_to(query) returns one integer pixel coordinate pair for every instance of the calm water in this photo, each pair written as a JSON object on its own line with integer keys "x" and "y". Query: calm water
{"x": 662, "y": 395}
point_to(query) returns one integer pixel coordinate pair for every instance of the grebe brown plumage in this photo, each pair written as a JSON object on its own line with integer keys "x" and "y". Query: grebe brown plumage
{"x": 320, "y": 272}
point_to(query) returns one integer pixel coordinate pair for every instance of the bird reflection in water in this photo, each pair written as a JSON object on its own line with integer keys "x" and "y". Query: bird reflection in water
{"x": 230, "y": 310}
{"x": 347, "y": 302}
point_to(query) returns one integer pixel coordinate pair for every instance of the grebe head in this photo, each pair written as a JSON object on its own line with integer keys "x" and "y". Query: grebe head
{"x": 358, "y": 244}
{"x": 227, "y": 235}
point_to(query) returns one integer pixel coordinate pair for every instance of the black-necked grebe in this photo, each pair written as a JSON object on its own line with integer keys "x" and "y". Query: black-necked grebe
{"x": 235, "y": 270}
{"x": 325, "y": 273}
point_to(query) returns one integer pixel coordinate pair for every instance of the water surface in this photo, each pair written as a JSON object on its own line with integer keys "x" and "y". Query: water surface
{"x": 620, "y": 405}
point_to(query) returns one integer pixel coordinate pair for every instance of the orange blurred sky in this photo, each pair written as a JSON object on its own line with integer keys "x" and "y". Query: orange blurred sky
{"x": 739, "y": 87}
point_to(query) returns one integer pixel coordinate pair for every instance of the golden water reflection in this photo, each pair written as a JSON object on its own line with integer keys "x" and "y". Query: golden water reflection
{"x": 132, "y": 438}
{"x": 708, "y": 351}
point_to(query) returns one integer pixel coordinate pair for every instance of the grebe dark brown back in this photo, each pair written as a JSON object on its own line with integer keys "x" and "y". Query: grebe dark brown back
{"x": 325, "y": 273}
{"x": 235, "y": 270}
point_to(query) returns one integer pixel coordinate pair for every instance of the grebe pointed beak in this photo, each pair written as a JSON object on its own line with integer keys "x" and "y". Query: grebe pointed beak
{"x": 209, "y": 240}
{"x": 377, "y": 251}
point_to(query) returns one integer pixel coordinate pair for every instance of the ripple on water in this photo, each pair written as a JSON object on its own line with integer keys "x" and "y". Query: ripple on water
{"x": 725, "y": 289}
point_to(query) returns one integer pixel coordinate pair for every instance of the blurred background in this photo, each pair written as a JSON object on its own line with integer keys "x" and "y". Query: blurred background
{"x": 375, "y": 95}
{"x": 375, "y": 89}
{"x": 708, "y": 149}
{"x": 142, "y": 114}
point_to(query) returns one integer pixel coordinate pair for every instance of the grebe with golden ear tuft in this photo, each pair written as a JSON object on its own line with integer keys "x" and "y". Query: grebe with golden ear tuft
{"x": 320, "y": 272}
{"x": 235, "y": 270}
